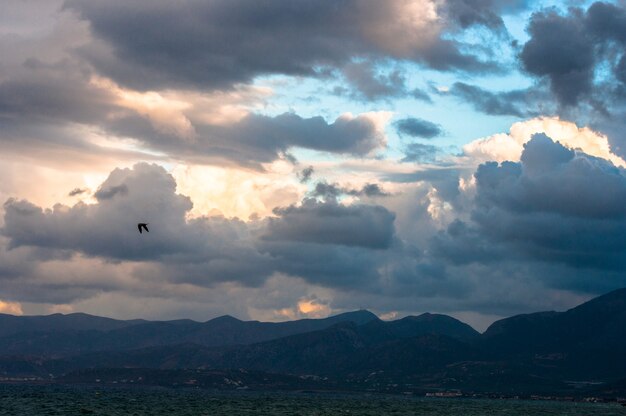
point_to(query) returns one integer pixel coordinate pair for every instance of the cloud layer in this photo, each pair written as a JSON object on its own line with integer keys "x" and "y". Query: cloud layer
{"x": 306, "y": 157}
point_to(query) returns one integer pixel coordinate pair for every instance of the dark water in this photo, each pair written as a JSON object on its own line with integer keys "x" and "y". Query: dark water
{"x": 55, "y": 400}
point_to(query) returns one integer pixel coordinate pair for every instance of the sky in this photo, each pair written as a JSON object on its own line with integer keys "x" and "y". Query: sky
{"x": 297, "y": 159}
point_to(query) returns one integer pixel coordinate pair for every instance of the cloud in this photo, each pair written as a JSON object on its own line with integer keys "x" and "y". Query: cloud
{"x": 371, "y": 86}
{"x": 305, "y": 174}
{"x": 61, "y": 107}
{"x": 568, "y": 49}
{"x": 265, "y": 38}
{"x": 417, "y": 127}
{"x": 560, "y": 49}
{"x": 143, "y": 194}
{"x": 519, "y": 103}
{"x": 257, "y": 139}
{"x": 110, "y": 192}
{"x": 201, "y": 251}
{"x": 420, "y": 153}
{"x": 502, "y": 147}
{"x": 414, "y": 252}
{"x": 370, "y": 83}
{"x": 332, "y": 191}
{"x": 77, "y": 191}
{"x": 70, "y": 113}
{"x": 555, "y": 206}
{"x": 332, "y": 223}
{"x": 13, "y": 308}
{"x": 466, "y": 13}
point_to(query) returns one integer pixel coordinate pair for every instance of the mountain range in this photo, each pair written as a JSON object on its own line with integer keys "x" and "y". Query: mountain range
{"x": 582, "y": 350}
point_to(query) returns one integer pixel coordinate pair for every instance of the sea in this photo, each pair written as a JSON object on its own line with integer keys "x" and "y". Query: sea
{"x": 16, "y": 400}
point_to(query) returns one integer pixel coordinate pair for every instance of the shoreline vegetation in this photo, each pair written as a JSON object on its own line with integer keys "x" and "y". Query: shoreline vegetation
{"x": 132, "y": 379}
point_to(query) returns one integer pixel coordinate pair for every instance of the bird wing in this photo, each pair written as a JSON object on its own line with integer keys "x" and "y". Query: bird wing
{"x": 139, "y": 228}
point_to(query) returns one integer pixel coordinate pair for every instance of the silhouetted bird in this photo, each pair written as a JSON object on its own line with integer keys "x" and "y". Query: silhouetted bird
{"x": 142, "y": 226}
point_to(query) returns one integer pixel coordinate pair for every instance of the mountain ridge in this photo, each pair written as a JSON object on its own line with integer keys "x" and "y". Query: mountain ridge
{"x": 539, "y": 352}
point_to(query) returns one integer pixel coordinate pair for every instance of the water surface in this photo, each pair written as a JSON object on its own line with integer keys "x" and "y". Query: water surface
{"x": 59, "y": 400}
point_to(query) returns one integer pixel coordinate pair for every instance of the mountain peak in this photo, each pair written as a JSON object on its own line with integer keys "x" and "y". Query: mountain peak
{"x": 361, "y": 316}
{"x": 225, "y": 319}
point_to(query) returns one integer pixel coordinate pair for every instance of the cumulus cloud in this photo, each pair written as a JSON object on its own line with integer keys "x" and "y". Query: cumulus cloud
{"x": 200, "y": 250}
{"x": 92, "y": 85}
{"x": 501, "y": 147}
{"x": 554, "y": 206}
{"x": 143, "y": 194}
{"x": 333, "y": 223}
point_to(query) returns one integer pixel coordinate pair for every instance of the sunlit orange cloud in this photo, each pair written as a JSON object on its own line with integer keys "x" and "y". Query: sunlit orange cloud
{"x": 313, "y": 308}
{"x": 46, "y": 186}
{"x": 13, "y": 308}
{"x": 235, "y": 192}
{"x": 304, "y": 308}
{"x": 176, "y": 112}
{"x": 502, "y": 146}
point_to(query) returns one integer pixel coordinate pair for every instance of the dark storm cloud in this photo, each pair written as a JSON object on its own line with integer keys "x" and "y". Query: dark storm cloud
{"x": 555, "y": 206}
{"x": 223, "y": 42}
{"x": 553, "y": 179}
{"x": 417, "y": 127}
{"x": 568, "y": 49}
{"x": 331, "y": 223}
{"x": 461, "y": 244}
{"x": 607, "y": 21}
{"x": 561, "y": 49}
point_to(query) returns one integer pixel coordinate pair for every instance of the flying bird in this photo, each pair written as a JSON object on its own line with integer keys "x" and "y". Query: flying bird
{"x": 142, "y": 226}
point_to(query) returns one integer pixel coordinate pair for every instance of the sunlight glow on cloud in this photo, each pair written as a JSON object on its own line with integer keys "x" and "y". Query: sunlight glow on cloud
{"x": 261, "y": 141}
{"x": 502, "y": 146}
{"x": 12, "y": 308}
{"x": 240, "y": 193}
{"x": 415, "y": 26}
